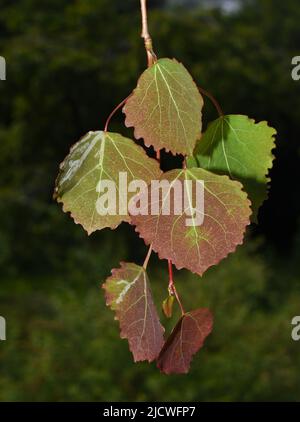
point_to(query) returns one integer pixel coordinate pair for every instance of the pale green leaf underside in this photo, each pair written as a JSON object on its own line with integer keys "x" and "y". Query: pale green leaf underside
{"x": 165, "y": 108}
{"x": 96, "y": 157}
{"x": 237, "y": 146}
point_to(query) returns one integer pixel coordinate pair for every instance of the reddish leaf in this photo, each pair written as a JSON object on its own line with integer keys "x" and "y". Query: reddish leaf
{"x": 128, "y": 293}
{"x": 165, "y": 108}
{"x": 185, "y": 340}
{"x": 192, "y": 244}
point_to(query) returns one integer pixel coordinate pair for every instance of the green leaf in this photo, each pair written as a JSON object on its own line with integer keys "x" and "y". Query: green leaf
{"x": 192, "y": 240}
{"x": 237, "y": 146}
{"x": 165, "y": 108}
{"x": 167, "y": 306}
{"x": 128, "y": 294}
{"x": 100, "y": 156}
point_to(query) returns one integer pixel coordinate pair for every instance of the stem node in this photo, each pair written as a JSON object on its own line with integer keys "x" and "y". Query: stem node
{"x": 146, "y": 36}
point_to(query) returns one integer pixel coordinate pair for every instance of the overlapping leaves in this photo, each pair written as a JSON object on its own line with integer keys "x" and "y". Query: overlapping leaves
{"x": 234, "y": 153}
{"x": 97, "y": 157}
{"x": 128, "y": 293}
{"x": 235, "y": 145}
{"x": 182, "y": 236}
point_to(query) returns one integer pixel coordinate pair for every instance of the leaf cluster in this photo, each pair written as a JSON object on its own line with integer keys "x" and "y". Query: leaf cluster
{"x": 232, "y": 158}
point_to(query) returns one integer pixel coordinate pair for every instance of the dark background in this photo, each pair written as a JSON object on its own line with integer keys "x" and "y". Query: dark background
{"x": 68, "y": 64}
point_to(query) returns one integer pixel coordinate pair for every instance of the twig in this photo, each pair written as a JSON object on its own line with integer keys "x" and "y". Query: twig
{"x": 114, "y": 111}
{"x": 145, "y": 264}
{"x": 151, "y": 60}
{"x": 213, "y": 100}
{"x": 146, "y": 36}
{"x": 150, "y": 247}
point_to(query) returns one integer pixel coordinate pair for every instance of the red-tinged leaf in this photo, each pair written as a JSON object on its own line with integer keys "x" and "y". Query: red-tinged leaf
{"x": 182, "y": 238}
{"x": 185, "y": 340}
{"x": 167, "y": 306}
{"x": 128, "y": 293}
{"x": 165, "y": 108}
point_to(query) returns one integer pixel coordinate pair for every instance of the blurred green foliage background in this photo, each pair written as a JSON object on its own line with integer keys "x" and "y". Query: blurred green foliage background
{"x": 68, "y": 64}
